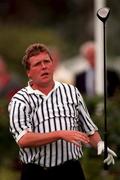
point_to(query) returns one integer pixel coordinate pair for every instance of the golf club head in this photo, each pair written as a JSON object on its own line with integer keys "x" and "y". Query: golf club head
{"x": 103, "y": 13}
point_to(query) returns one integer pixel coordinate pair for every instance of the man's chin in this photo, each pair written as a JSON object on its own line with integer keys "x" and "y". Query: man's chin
{"x": 45, "y": 82}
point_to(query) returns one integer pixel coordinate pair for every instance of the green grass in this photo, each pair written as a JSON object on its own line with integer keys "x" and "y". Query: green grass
{"x": 8, "y": 174}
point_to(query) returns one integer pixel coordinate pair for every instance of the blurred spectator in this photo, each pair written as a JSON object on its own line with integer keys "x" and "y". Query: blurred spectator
{"x": 9, "y": 83}
{"x": 85, "y": 81}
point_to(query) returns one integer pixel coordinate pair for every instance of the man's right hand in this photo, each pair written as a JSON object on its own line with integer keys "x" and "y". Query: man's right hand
{"x": 75, "y": 137}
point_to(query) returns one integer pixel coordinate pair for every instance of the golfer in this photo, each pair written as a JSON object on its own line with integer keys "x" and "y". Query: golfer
{"x": 50, "y": 122}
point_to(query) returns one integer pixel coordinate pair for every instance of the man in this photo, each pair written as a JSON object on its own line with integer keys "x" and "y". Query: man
{"x": 50, "y": 122}
{"x": 85, "y": 81}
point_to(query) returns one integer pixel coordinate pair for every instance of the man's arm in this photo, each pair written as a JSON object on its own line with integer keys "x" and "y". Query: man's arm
{"x": 31, "y": 139}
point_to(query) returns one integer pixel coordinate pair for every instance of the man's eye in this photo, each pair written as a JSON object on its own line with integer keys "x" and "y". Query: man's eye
{"x": 47, "y": 61}
{"x": 36, "y": 64}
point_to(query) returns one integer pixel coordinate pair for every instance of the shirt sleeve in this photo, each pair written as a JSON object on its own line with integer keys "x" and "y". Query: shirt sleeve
{"x": 20, "y": 121}
{"x": 85, "y": 122}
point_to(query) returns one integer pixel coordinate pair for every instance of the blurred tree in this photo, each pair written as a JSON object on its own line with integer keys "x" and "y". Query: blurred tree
{"x": 72, "y": 19}
{"x": 68, "y": 18}
{"x": 113, "y": 28}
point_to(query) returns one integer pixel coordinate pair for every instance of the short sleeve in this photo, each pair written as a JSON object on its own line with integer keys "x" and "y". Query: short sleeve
{"x": 85, "y": 122}
{"x": 20, "y": 121}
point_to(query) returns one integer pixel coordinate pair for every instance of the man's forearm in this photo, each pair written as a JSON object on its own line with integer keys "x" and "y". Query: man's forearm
{"x": 31, "y": 139}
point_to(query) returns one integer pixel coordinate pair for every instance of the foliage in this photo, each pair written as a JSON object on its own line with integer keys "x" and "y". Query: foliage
{"x": 7, "y": 147}
{"x": 7, "y": 174}
{"x": 73, "y": 20}
{"x": 15, "y": 39}
{"x": 96, "y": 107}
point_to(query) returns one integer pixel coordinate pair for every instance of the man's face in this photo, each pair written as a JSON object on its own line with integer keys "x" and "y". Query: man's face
{"x": 41, "y": 69}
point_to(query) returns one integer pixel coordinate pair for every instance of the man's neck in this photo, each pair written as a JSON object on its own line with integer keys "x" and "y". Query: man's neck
{"x": 44, "y": 89}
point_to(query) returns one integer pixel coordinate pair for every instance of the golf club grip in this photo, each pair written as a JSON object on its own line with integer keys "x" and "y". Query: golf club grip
{"x": 105, "y": 164}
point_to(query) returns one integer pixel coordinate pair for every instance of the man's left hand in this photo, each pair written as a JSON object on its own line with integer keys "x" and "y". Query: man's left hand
{"x": 111, "y": 154}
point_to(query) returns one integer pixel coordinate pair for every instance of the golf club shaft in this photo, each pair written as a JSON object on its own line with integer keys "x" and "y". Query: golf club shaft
{"x": 103, "y": 14}
{"x": 105, "y": 99}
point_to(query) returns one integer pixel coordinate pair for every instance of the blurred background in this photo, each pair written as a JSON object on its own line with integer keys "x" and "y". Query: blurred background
{"x": 65, "y": 26}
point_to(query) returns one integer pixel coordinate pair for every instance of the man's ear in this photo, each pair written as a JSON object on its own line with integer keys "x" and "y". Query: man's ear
{"x": 28, "y": 74}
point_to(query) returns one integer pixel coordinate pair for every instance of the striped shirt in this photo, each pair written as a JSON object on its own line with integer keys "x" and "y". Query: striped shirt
{"x": 62, "y": 109}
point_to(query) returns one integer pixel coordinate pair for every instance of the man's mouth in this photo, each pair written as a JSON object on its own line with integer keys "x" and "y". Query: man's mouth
{"x": 44, "y": 74}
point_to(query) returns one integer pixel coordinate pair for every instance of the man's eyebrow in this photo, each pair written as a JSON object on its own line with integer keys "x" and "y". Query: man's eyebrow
{"x": 39, "y": 62}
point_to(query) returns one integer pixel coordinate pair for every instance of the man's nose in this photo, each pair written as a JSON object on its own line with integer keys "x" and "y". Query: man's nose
{"x": 43, "y": 65}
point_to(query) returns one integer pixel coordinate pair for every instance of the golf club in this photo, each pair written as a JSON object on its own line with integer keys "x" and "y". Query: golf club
{"x": 103, "y": 14}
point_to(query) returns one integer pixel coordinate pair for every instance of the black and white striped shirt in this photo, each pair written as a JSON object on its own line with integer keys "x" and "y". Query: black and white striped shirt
{"x": 62, "y": 109}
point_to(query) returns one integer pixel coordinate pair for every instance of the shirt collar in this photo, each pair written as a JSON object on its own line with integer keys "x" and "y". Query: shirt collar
{"x": 35, "y": 91}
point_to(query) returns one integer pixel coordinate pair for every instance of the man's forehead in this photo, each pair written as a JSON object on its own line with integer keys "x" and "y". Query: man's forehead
{"x": 40, "y": 56}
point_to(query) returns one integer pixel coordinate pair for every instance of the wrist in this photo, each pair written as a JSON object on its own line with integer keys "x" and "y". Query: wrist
{"x": 59, "y": 134}
{"x": 100, "y": 143}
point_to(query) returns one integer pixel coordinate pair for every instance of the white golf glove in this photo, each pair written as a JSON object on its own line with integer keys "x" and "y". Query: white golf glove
{"x": 111, "y": 154}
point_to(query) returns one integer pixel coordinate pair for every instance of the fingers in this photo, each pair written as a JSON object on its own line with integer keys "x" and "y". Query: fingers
{"x": 75, "y": 137}
{"x": 81, "y": 137}
{"x": 101, "y": 147}
{"x": 112, "y": 152}
{"x": 109, "y": 160}
{"x": 76, "y": 143}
